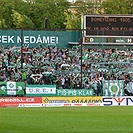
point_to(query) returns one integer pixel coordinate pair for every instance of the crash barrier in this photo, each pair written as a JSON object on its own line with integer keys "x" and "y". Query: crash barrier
{"x": 65, "y": 101}
{"x": 109, "y": 88}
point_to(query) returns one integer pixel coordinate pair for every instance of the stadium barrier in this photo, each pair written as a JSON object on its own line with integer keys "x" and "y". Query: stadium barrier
{"x": 50, "y": 96}
{"x": 65, "y": 101}
{"x": 16, "y": 101}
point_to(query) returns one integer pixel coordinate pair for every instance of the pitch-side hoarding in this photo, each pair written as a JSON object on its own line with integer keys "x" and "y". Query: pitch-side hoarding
{"x": 16, "y": 101}
{"x": 65, "y": 101}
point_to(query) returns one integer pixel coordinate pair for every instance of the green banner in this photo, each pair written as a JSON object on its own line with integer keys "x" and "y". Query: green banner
{"x": 35, "y": 37}
{"x": 74, "y": 92}
{"x": 113, "y": 87}
{"x": 40, "y": 90}
{"x": 11, "y": 88}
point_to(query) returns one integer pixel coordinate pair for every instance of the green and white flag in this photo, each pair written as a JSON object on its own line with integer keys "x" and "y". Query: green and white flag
{"x": 11, "y": 88}
{"x": 40, "y": 90}
{"x": 113, "y": 87}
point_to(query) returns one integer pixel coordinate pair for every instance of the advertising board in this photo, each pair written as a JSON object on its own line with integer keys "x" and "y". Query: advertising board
{"x": 118, "y": 101}
{"x": 73, "y": 100}
{"x": 65, "y": 101}
{"x": 15, "y": 101}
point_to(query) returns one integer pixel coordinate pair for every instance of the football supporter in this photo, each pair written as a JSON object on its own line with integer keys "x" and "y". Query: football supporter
{"x": 51, "y": 65}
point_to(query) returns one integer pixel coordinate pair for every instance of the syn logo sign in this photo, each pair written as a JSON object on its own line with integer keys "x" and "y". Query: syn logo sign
{"x": 118, "y": 101}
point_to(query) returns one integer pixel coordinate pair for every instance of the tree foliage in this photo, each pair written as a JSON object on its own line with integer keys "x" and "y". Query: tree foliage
{"x": 117, "y": 7}
{"x": 33, "y": 11}
{"x": 53, "y": 10}
{"x": 60, "y": 13}
{"x": 21, "y": 21}
{"x": 2, "y": 24}
{"x": 72, "y": 21}
{"x": 76, "y": 10}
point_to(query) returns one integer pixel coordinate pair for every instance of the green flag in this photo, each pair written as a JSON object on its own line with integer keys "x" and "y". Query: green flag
{"x": 113, "y": 87}
{"x": 11, "y": 88}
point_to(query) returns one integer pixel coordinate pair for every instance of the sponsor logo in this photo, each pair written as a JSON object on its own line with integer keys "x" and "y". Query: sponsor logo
{"x": 54, "y": 105}
{"x": 118, "y": 101}
{"x": 77, "y": 104}
{"x": 31, "y": 105}
{"x": 72, "y": 100}
{"x": 15, "y": 101}
{"x": 47, "y": 100}
{"x": 20, "y": 105}
{"x": 22, "y": 100}
{"x": 67, "y": 104}
{"x": 87, "y": 101}
{"x": 93, "y": 104}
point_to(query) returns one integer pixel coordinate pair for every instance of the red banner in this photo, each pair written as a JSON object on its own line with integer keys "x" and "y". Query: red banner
{"x": 15, "y": 101}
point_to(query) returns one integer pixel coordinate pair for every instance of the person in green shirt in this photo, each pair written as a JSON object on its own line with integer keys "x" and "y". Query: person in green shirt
{"x": 23, "y": 75}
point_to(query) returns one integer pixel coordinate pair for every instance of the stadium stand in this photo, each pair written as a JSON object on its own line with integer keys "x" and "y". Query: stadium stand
{"x": 52, "y": 65}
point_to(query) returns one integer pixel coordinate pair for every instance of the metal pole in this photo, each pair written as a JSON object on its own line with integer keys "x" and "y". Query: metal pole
{"x": 81, "y": 63}
{"x": 81, "y": 43}
{"x": 46, "y": 23}
{"x": 21, "y": 48}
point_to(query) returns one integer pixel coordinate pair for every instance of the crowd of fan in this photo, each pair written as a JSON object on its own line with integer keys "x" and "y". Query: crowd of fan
{"x": 51, "y": 65}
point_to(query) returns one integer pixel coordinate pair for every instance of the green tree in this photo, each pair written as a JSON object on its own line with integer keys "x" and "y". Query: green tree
{"x": 21, "y": 21}
{"x": 117, "y": 7}
{"x": 3, "y": 24}
{"x": 76, "y": 10}
{"x": 72, "y": 21}
{"x": 6, "y": 7}
{"x": 53, "y": 10}
{"x": 60, "y": 13}
{"x": 5, "y": 13}
{"x": 83, "y": 7}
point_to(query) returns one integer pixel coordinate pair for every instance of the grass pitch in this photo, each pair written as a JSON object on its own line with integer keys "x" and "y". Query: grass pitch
{"x": 67, "y": 120}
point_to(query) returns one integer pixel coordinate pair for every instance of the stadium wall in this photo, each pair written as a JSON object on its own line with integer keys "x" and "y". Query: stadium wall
{"x": 35, "y": 37}
{"x": 58, "y": 38}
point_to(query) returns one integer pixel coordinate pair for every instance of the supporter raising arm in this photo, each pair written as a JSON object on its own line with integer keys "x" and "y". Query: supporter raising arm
{"x": 36, "y": 78}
